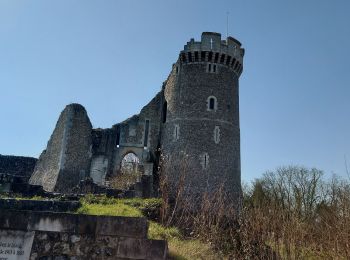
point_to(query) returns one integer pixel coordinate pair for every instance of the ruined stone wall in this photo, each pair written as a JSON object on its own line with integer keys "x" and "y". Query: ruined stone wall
{"x": 39, "y": 205}
{"x": 103, "y": 146}
{"x": 67, "y": 157}
{"x": 17, "y": 165}
{"x": 140, "y": 134}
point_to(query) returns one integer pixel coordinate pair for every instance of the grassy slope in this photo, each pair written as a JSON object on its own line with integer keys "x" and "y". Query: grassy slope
{"x": 179, "y": 247}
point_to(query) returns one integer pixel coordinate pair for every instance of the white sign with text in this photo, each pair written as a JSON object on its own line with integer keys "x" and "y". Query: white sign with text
{"x": 15, "y": 245}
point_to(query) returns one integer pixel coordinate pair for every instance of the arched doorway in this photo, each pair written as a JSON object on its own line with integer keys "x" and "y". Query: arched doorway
{"x": 130, "y": 164}
{"x": 130, "y": 172}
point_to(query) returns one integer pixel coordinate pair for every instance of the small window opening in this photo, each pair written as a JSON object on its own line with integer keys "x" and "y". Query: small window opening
{"x": 209, "y": 67}
{"x": 177, "y": 69}
{"x": 165, "y": 108}
{"x": 216, "y": 57}
{"x": 210, "y": 56}
{"x": 176, "y": 132}
{"x": 214, "y": 68}
{"x": 236, "y": 65}
{"x": 196, "y": 58}
{"x": 189, "y": 57}
{"x": 217, "y": 134}
{"x": 211, "y": 103}
{"x": 204, "y": 161}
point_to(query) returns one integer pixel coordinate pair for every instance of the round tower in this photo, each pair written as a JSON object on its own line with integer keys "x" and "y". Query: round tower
{"x": 201, "y": 135}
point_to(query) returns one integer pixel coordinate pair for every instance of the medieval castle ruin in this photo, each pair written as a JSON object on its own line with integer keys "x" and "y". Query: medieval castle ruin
{"x": 191, "y": 126}
{"x": 188, "y": 135}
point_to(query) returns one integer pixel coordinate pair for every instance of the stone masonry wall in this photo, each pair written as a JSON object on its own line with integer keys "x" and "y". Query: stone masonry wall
{"x": 72, "y": 236}
{"x": 204, "y": 143}
{"x": 67, "y": 157}
{"x": 17, "y": 165}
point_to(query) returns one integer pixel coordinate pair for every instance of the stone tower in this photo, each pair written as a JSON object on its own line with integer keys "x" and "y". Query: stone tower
{"x": 201, "y": 134}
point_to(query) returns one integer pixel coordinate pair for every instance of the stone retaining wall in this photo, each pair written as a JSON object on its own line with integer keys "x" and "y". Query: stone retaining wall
{"x": 39, "y": 205}
{"x": 74, "y": 236}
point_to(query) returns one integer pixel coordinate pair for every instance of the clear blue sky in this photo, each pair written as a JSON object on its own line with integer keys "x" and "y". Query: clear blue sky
{"x": 112, "y": 57}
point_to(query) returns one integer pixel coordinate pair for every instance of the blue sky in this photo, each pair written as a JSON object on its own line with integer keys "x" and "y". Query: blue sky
{"x": 112, "y": 57}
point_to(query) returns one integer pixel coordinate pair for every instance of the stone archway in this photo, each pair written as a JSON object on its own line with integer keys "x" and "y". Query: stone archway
{"x": 130, "y": 164}
{"x": 129, "y": 173}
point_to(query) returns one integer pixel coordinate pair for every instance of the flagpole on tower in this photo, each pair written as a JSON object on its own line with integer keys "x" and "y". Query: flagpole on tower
{"x": 227, "y": 13}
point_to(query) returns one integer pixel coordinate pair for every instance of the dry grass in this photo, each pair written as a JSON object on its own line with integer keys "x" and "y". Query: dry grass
{"x": 292, "y": 213}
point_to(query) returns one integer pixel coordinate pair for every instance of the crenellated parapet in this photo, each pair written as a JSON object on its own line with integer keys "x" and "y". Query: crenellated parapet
{"x": 213, "y": 49}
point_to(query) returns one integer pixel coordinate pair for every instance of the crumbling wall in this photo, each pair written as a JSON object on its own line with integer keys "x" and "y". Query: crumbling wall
{"x": 17, "y": 165}
{"x": 67, "y": 157}
{"x": 140, "y": 135}
{"x": 103, "y": 146}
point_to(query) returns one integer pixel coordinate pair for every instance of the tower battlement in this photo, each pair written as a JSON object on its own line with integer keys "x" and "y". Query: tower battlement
{"x": 213, "y": 49}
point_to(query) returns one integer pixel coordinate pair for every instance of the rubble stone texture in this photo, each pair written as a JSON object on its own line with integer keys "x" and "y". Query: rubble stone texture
{"x": 67, "y": 157}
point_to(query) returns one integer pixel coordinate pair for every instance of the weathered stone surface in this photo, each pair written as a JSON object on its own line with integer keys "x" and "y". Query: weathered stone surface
{"x": 206, "y": 162}
{"x": 72, "y": 236}
{"x": 80, "y": 224}
{"x": 17, "y": 165}
{"x": 39, "y": 205}
{"x": 66, "y": 159}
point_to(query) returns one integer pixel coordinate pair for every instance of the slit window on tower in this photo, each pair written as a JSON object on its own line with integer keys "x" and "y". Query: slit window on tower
{"x": 205, "y": 160}
{"x": 196, "y": 57}
{"x": 189, "y": 57}
{"x": 176, "y": 132}
{"x": 165, "y": 107}
{"x": 214, "y": 68}
{"x": 216, "y": 57}
{"x": 209, "y": 67}
{"x": 145, "y": 141}
{"x": 211, "y": 103}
